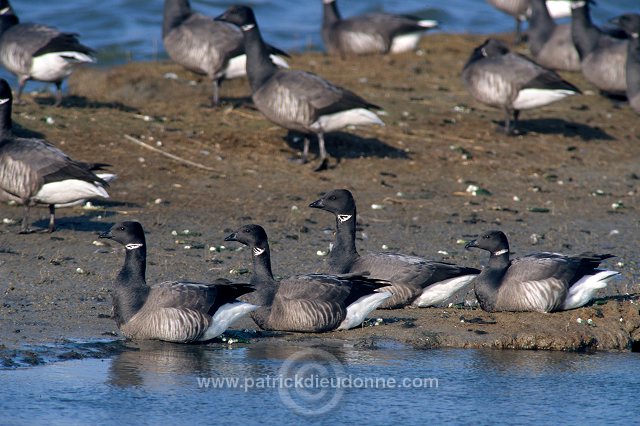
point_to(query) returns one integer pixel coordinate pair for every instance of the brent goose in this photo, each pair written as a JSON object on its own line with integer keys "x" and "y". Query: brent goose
{"x": 32, "y": 171}
{"x": 306, "y": 303}
{"x": 38, "y": 52}
{"x": 173, "y": 311}
{"x": 296, "y": 100}
{"x": 602, "y": 57}
{"x": 371, "y": 32}
{"x": 415, "y": 281}
{"x": 502, "y": 79}
{"x": 630, "y": 23}
{"x": 520, "y": 10}
{"x": 538, "y": 282}
{"x": 551, "y": 44}
{"x": 205, "y": 46}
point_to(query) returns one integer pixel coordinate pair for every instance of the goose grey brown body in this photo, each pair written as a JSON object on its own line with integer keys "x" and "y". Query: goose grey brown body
{"x": 305, "y": 303}
{"x": 296, "y": 100}
{"x": 551, "y": 45}
{"x": 206, "y": 46}
{"x": 173, "y": 311}
{"x": 602, "y": 57}
{"x": 497, "y": 77}
{"x": 414, "y": 280}
{"x": 32, "y": 171}
{"x": 38, "y": 52}
{"x": 371, "y": 32}
{"x": 630, "y": 23}
{"x": 538, "y": 282}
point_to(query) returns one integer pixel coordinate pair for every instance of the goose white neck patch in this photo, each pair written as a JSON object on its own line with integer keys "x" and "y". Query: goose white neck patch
{"x": 5, "y": 10}
{"x": 257, "y": 251}
{"x": 344, "y": 217}
{"x": 5, "y": 100}
{"x": 501, "y": 252}
{"x": 133, "y": 246}
{"x": 247, "y": 27}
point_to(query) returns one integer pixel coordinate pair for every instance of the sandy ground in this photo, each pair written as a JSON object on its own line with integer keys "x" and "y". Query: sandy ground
{"x": 568, "y": 183}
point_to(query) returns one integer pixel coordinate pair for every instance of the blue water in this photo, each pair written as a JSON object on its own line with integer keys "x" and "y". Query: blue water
{"x": 159, "y": 384}
{"x": 123, "y": 30}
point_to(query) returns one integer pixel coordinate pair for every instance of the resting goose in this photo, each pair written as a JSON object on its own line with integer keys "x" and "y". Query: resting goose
{"x": 538, "y": 282}
{"x": 602, "y": 57}
{"x": 173, "y": 311}
{"x": 630, "y": 23}
{"x": 205, "y": 46}
{"x": 38, "y": 52}
{"x": 521, "y": 9}
{"x": 296, "y": 100}
{"x": 502, "y": 79}
{"x": 305, "y": 303}
{"x": 414, "y": 280}
{"x": 371, "y": 32}
{"x": 551, "y": 44}
{"x": 32, "y": 171}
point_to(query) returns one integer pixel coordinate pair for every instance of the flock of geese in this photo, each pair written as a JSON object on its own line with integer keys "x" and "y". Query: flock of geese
{"x": 352, "y": 288}
{"x": 33, "y": 171}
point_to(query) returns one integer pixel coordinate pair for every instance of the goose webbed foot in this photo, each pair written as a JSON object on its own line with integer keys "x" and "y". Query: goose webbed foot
{"x": 322, "y": 165}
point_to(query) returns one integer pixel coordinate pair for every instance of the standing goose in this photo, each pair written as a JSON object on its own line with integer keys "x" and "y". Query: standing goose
{"x": 538, "y": 282}
{"x": 173, "y": 311}
{"x": 38, "y": 52}
{"x": 415, "y": 281}
{"x": 296, "y": 100}
{"x": 306, "y": 303}
{"x": 502, "y": 79}
{"x": 521, "y": 9}
{"x": 630, "y": 23}
{"x": 204, "y": 46}
{"x": 370, "y": 33}
{"x": 602, "y": 57}
{"x": 32, "y": 171}
{"x": 551, "y": 44}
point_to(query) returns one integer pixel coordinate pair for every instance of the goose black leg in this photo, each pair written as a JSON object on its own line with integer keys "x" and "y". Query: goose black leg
{"x": 216, "y": 96}
{"x": 58, "y": 94}
{"x": 52, "y": 218}
{"x": 24, "y": 227}
{"x": 21, "y": 82}
{"x": 324, "y": 162}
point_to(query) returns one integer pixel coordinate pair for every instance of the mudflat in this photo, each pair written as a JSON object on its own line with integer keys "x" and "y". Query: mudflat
{"x": 439, "y": 173}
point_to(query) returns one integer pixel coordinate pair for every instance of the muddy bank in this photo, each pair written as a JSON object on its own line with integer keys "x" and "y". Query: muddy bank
{"x": 568, "y": 183}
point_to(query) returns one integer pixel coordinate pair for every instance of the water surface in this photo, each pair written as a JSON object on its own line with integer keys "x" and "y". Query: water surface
{"x": 158, "y": 382}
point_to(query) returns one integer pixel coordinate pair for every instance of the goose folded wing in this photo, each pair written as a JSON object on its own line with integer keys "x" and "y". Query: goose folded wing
{"x": 216, "y": 36}
{"x": 63, "y": 42}
{"x": 22, "y": 41}
{"x": 182, "y": 295}
{"x": 542, "y": 266}
{"x": 396, "y": 268}
{"x": 314, "y": 287}
{"x": 393, "y": 24}
{"x": 321, "y": 96}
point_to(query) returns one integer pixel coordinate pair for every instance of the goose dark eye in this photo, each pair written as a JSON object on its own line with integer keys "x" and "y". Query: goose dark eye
{"x": 121, "y": 228}
{"x": 333, "y": 197}
{"x": 486, "y": 237}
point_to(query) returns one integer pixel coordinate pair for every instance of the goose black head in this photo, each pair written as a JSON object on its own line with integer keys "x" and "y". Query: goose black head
{"x": 129, "y": 234}
{"x": 249, "y": 235}
{"x": 239, "y": 15}
{"x": 629, "y": 22}
{"x": 337, "y": 201}
{"x": 493, "y": 241}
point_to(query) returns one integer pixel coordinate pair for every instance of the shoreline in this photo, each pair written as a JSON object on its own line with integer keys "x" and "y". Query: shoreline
{"x": 551, "y": 188}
